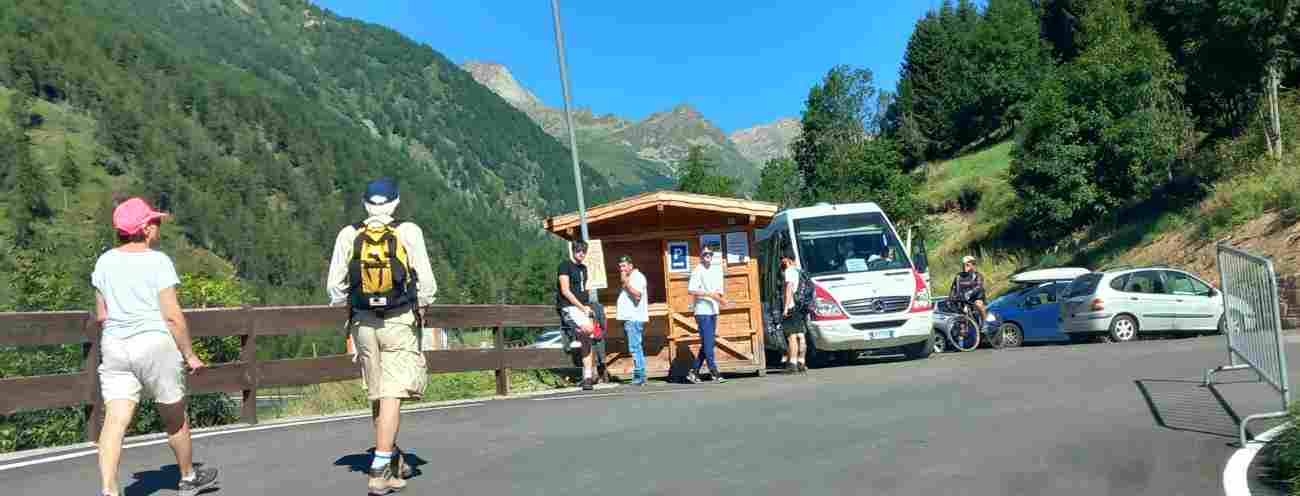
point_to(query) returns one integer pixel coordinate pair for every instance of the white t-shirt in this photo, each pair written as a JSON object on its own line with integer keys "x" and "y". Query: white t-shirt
{"x": 130, "y": 283}
{"x": 709, "y": 281}
{"x": 627, "y": 309}
{"x": 791, "y": 277}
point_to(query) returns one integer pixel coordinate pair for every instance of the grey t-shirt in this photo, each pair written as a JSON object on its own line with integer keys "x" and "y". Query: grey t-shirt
{"x": 130, "y": 283}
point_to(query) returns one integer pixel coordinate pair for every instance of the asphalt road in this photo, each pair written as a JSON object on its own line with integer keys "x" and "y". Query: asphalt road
{"x": 1041, "y": 420}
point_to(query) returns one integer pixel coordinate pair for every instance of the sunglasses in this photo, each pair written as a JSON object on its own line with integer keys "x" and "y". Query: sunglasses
{"x": 707, "y": 254}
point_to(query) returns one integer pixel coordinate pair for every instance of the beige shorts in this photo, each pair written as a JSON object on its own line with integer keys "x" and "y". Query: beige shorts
{"x": 392, "y": 365}
{"x": 579, "y": 318}
{"x": 148, "y": 361}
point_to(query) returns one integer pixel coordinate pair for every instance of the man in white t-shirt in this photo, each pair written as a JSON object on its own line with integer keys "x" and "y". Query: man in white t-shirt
{"x": 792, "y": 319}
{"x": 145, "y": 345}
{"x": 634, "y": 311}
{"x": 706, "y": 285}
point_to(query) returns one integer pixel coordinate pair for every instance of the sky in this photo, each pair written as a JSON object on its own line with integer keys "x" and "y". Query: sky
{"x": 739, "y": 63}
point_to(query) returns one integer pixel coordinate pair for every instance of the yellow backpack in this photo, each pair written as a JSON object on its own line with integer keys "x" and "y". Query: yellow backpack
{"x": 379, "y": 273}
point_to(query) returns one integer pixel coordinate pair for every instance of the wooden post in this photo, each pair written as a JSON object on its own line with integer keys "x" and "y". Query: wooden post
{"x": 252, "y": 376}
{"x": 90, "y": 367}
{"x": 503, "y": 374}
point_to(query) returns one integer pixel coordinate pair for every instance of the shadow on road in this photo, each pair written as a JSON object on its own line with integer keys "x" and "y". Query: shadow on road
{"x": 360, "y": 462}
{"x": 1184, "y": 405}
{"x": 164, "y": 479}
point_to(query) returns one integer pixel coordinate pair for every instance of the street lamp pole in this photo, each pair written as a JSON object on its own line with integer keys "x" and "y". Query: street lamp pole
{"x": 568, "y": 117}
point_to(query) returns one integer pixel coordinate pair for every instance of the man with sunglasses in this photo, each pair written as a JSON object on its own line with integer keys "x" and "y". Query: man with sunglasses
{"x": 969, "y": 286}
{"x": 706, "y": 285}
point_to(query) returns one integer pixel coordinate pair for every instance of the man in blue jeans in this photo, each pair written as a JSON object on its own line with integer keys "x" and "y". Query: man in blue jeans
{"x": 634, "y": 311}
{"x": 706, "y": 286}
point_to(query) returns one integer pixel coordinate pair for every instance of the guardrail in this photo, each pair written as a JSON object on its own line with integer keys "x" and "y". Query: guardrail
{"x": 1252, "y": 325}
{"x": 249, "y": 373}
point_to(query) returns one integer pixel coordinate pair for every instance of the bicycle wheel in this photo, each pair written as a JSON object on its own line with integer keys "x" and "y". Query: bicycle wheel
{"x": 964, "y": 334}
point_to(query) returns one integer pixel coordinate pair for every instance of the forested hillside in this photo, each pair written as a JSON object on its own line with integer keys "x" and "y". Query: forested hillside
{"x": 261, "y": 120}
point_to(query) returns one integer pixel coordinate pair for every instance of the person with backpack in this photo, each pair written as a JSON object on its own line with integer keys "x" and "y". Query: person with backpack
{"x": 798, "y": 296}
{"x": 380, "y": 269}
{"x": 145, "y": 344}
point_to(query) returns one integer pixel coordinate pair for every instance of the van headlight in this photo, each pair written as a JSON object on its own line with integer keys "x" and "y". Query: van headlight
{"x": 991, "y": 317}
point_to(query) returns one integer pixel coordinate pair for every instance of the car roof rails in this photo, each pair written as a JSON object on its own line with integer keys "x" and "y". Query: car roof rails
{"x": 1111, "y": 268}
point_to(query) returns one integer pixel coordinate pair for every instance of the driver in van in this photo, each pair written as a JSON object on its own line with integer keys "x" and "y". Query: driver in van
{"x": 844, "y": 251}
{"x": 968, "y": 285}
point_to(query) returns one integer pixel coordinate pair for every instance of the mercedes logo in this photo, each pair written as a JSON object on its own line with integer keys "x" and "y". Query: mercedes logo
{"x": 878, "y": 306}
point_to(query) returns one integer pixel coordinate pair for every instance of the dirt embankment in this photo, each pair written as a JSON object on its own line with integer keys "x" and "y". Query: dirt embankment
{"x": 1267, "y": 236}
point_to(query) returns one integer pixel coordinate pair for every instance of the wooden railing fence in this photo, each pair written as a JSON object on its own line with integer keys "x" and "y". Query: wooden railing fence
{"x": 249, "y": 373}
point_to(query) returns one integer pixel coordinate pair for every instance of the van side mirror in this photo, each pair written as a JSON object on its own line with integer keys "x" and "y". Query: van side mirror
{"x": 1030, "y": 301}
{"x": 919, "y": 258}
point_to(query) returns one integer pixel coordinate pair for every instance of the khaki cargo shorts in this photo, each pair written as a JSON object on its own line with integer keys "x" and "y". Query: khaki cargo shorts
{"x": 147, "y": 361}
{"x": 392, "y": 365}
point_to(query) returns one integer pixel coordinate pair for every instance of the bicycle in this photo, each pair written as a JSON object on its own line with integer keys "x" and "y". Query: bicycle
{"x": 964, "y": 333}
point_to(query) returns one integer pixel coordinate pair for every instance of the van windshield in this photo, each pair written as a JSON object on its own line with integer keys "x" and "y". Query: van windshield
{"x": 840, "y": 244}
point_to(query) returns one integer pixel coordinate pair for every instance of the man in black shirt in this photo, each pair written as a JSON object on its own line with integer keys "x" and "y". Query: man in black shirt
{"x": 572, "y": 302}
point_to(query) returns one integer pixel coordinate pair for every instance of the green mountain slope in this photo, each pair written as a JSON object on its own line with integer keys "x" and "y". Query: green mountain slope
{"x": 262, "y": 120}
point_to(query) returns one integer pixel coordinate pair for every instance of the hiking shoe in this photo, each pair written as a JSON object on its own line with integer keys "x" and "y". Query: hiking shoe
{"x": 203, "y": 477}
{"x": 398, "y": 465}
{"x": 382, "y": 481}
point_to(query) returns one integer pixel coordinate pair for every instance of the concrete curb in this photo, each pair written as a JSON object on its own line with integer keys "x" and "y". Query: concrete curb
{"x": 1236, "y": 478}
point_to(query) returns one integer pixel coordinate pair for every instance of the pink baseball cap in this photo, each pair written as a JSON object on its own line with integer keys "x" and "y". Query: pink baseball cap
{"x": 132, "y": 215}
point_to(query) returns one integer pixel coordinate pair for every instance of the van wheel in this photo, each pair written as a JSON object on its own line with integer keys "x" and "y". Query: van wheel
{"x": 1123, "y": 329}
{"x": 922, "y": 349}
{"x": 938, "y": 343}
{"x": 815, "y": 359}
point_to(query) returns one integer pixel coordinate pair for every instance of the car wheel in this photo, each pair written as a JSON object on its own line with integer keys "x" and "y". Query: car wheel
{"x": 921, "y": 349}
{"x": 938, "y": 343}
{"x": 1011, "y": 335}
{"x": 813, "y": 358}
{"x": 1123, "y": 329}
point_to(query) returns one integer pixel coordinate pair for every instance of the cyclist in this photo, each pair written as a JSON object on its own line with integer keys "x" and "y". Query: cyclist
{"x": 968, "y": 286}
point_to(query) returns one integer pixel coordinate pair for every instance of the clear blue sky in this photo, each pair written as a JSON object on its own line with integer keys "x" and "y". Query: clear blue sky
{"x": 739, "y": 63}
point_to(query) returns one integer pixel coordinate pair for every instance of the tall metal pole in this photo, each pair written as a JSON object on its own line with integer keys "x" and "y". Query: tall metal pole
{"x": 568, "y": 117}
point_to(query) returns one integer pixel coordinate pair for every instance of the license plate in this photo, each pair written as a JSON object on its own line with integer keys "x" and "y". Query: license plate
{"x": 880, "y": 334}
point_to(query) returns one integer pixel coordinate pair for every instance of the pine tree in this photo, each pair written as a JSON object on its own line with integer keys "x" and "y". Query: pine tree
{"x": 69, "y": 173}
{"x": 697, "y": 175}
{"x": 28, "y": 189}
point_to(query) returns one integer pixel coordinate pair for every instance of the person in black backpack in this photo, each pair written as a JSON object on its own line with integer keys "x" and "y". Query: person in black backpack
{"x": 380, "y": 269}
{"x": 795, "y": 313}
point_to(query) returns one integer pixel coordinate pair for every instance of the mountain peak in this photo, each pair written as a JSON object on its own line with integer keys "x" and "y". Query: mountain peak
{"x": 497, "y": 78}
{"x": 767, "y": 141}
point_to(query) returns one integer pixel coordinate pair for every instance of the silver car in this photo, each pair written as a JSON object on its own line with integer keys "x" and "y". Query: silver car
{"x": 1120, "y": 304}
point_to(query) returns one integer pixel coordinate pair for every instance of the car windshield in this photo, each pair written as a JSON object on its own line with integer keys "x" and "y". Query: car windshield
{"x": 840, "y": 244}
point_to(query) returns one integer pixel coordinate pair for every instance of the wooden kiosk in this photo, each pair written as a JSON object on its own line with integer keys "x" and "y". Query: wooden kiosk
{"x": 662, "y": 232}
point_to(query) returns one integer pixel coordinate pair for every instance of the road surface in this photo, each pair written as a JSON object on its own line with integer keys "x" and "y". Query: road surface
{"x": 1079, "y": 419}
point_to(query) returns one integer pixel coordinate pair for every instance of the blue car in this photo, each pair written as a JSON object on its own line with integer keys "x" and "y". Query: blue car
{"x": 1029, "y": 312}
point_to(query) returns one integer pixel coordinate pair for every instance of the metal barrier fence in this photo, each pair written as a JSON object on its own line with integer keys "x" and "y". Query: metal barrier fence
{"x": 1252, "y": 325}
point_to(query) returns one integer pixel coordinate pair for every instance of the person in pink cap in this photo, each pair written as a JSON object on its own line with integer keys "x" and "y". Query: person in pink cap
{"x": 145, "y": 344}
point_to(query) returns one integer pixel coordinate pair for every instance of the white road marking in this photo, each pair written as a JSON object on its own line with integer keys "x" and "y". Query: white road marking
{"x": 163, "y": 440}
